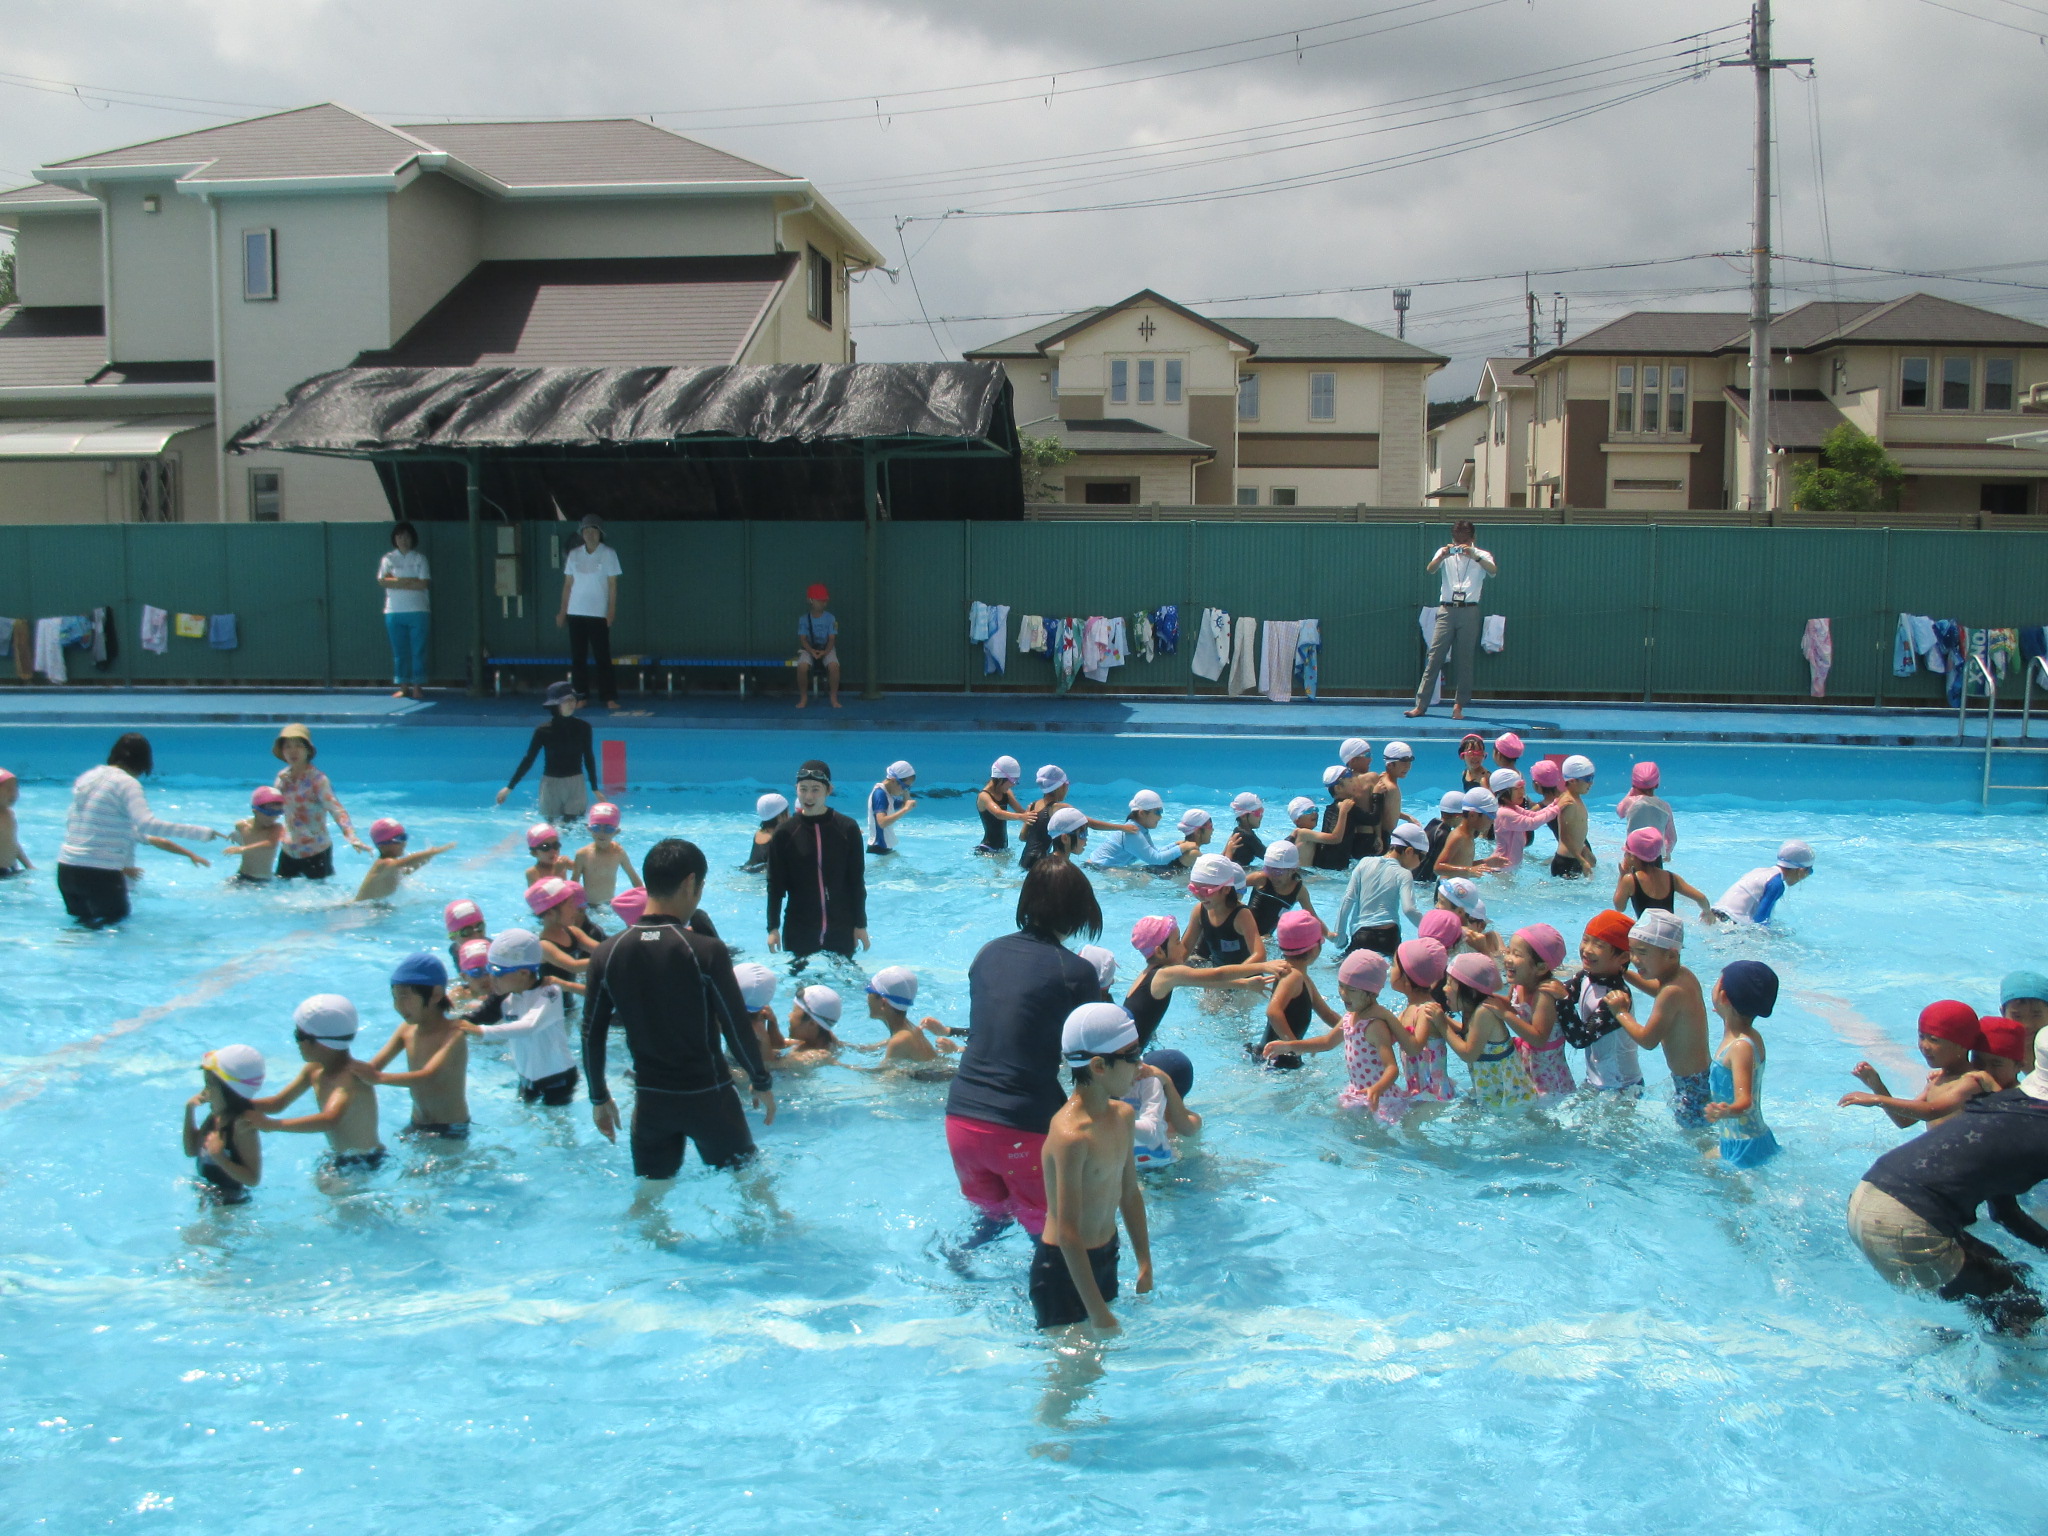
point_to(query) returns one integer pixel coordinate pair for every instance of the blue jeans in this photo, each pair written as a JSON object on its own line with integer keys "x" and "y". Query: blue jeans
{"x": 408, "y": 648}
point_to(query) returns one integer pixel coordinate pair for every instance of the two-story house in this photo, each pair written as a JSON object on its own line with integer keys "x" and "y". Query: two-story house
{"x": 1501, "y": 466}
{"x": 1161, "y": 404}
{"x": 1651, "y": 411}
{"x": 171, "y": 291}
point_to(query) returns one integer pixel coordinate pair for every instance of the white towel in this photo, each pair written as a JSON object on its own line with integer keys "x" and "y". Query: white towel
{"x": 1095, "y": 650}
{"x": 1276, "y": 659}
{"x": 1030, "y": 634}
{"x": 1212, "y": 644}
{"x": 50, "y": 649}
{"x": 1493, "y": 633}
{"x": 1244, "y": 657}
{"x": 156, "y": 630}
{"x": 1119, "y": 643}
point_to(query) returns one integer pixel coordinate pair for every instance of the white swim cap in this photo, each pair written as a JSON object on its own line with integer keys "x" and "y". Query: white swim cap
{"x": 1245, "y": 804}
{"x": 1005, "y": 768}
{"x": 900, "y": 770}
{"x": 1065, "y": 819}
{"x": 1051, "y": 777}
{"x": 1661, "y": 929}
{"x": 821, "y": 1003}
{"x": 1407, "y": 834}
{"x": 895, "y": 985}
{"x": 1464, "y": 895}
{"x": 1299, "y": 807}
{"x": 1483, "y": 801}
{"x": 1398, "y": 752}
{"x": 1452, "y": 804}
{"x": 516, "y": 949}
{"x": 328, "y": 1017}
{"x": 1282, "y": 855}
{"x": 1192, "y": 820}
{"x": 1103, "y": 961}
{"x": 1501, "y": 780}
{"x": 1214, "y": 869}
{"x": 1147, "y": 800}
{"x": 1354, "y": 746}
{"x": 1335, "y": 773}
{"x": 757, "y": 985}
{"x": 240, "y": 1067}
{"x": 1096, "y": 1029}
{"x": 1577, "y": 767}
{"x": 1795, "y": 855}
{"x": 768, "y": 807}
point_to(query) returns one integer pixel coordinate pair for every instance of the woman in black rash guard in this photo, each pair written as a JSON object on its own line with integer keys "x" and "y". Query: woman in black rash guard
{"x": 563, "y": 744}
{"x": 1021, "y": 988}
{"x": 817, "y": 874}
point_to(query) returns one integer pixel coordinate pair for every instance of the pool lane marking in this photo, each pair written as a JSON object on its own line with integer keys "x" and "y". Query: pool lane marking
{"x": 478, "y": 860}
{"x": 34, "y": 1077}
{"x": 1845, "y": 1021}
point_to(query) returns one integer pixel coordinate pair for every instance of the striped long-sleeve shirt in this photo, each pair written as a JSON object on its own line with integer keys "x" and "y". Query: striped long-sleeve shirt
{"x": 108, "y": 817}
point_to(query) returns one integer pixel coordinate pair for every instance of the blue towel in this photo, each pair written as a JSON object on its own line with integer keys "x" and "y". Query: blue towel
{"x": 220, "y": 632}
{"x": 2034, "y": 642}
{"x": 1166, "y": 629}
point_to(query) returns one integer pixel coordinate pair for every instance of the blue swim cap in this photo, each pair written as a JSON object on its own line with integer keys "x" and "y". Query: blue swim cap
{"x": 1751, "y": 986}
{"x": 420, "y": 970}
{"x": 1178, "y": 1069}
{"x": 2022, "y": 984}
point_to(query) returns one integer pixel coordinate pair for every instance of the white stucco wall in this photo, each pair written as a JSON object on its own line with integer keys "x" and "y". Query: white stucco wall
{"x": 163, "y": 311}
{"x": 435, "y": 238}
{"x": 1315, "y": 487}
{"x": 57, "y": 258}
{"x": 584, "y": 226}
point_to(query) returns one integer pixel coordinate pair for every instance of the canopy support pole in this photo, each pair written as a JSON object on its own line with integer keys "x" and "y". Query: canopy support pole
{"x": 871, "y": 688}
{"x": 473, "y": 489}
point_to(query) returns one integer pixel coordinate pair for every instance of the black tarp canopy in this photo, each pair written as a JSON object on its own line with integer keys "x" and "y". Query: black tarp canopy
{"x": 781, "y": 441}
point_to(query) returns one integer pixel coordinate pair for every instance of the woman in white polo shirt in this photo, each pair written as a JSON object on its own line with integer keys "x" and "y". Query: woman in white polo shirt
{"x": 590, "y": 601}
{"x": 402, "y": 573}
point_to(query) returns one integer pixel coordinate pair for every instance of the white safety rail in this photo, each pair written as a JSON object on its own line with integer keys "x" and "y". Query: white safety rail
{"x": 2023, "y": 749}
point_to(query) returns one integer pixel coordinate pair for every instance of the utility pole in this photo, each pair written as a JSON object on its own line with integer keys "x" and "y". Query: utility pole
{"x": 1760, "y": 63}
{"x": 1529, "y": 303}
{"x": 1560, "y": 306}
{"x": 1402, "y": 297}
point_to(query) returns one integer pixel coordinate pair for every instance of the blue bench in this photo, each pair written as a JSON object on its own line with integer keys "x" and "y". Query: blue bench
{"x": 497, "y": 665}
{"x": 639, "y": 665}
{"x": 741, "y": 664}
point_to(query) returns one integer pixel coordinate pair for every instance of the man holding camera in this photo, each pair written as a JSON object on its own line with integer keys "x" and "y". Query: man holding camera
{"x": 1465, "y": 568}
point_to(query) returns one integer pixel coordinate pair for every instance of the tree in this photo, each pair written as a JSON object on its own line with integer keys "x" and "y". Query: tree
{"x": 1043, "y": 455}
{"x": 1853, "y": 474}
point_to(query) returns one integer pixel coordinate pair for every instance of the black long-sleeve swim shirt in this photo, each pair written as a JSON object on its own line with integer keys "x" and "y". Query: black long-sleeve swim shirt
{"x": 674, "y": 991}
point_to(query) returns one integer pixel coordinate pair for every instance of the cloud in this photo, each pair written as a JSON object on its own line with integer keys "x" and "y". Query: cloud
{"x": 1930, "y": 123}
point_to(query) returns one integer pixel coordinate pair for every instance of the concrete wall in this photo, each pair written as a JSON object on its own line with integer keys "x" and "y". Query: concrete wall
{"x": 528, "y": 230}
{"x": 1166, "y": 481}
{"x": 1317, "y": 487}
{"x": 57, "y": 258}
{"x": 435, "y": 237}
{"x": 1403, "y": 418}
{"x": 162, "y": 282}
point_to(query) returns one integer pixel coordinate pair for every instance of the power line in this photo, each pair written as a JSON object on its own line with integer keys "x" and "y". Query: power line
{"x": 1992, "y": 21}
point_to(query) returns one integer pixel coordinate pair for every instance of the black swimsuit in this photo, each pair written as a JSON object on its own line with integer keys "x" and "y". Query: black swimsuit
{"x": 1331, "y": 855}
{"x": 1036, "y": 841}
{"x": 225, "y": 1187}
{"x": 1365, "y": 840}
{"x": 1296, "y": 1013}
{"x": 1146, "y": 1011}
{"x": 995, "y": 832}
{"x": 1247, "y": 844}
{"x": 1222, "y": 945}
{"x": 1643, "y": 901}
{"x": 1267, "y": 904}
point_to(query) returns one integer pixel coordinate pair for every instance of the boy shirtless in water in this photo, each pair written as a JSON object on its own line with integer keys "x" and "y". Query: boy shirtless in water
{"x": 1091, "y": 1175}
{"x": 392, "y": 863}
{"x": 436, "y": 1051}
{"x": 1678, "y": 1019}
{"x": 325, "y": 1027}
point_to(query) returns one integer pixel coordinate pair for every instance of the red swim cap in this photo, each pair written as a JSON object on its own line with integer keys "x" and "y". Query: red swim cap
{"x": 816, "y": 592}
{"x": 2004, "y": 1037}
{"x": 1952, "y": 1021}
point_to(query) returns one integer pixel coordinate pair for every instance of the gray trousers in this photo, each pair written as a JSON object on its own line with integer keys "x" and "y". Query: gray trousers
{"x": 1457, "y": 636}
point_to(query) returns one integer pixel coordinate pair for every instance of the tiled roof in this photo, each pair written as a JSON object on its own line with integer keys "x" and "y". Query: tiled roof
{"x": 1114, "y": 435}
{"x": 1503, "y": 371}
{"x": 1651, "y": 332}
{"x": 1802, "y": 327}
{"x": 1286, "y": 338}
{"x": 1798, "y": 420}
{"x": 689, "y": 311}
{"x": 1921, "y": 318}
{"x": 607, "y": 151}
{"x": 41, "y": 195}
{"x": 323, "y": 140}
{"x": 46, "y": 346}
{"x": 1026, "y": 343}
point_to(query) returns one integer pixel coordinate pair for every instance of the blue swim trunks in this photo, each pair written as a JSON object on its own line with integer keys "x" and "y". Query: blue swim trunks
{"x": 1689, "y": 1100}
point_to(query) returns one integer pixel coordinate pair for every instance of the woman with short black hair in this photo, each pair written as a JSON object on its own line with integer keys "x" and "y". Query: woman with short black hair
{"x": 109, "y": 816}
{"x": 1021, "y": 988}
{"x": 402, "y": 573}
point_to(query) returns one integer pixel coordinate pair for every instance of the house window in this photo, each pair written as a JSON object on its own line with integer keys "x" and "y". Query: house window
{"x": 1958, "y": 378}
{"x": 156, "y": 490}
{"x": 1649, "y": 485}
{"x": 1500, "y": 420}
{"x": 1838, "y": 377}
{"x": 266, "y": 496}
{"x": 1999, "y": 380}
{"x": 1652, "y": 407}
{"x": 1053, "y": 381}
{"x": 1119, "y": 381}
{"x": 1148, "y": 381}
{"x": 1248, "y": 397}
{"x": 259, "y": 263}
{"x": 1674, "y": 398}
{"x": 1173, "y": 381}
{"x": 818, "y": 285}
{"x": 1913, "y": 384}
{"x": 1322, "y": 397}
{"x": 2008, "y": 499}
{"x": 1625, "y": 397}
{"x": 1283, "y": 495}
{"x": 1247, "y": 495}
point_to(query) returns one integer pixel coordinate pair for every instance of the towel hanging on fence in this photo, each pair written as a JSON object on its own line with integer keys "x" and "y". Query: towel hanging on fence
{"x": 1031, "y": 635}
{"x": 2003, "y": 648}
{"x": 2033, "y": 642}
{"x": 1493, "y": 633}
{"x": 1212, "y": 644}
{"x": 106, "y": 640}
{"x": 156, "y": 630}
{"x": 1095, "y": 662}
{"x": 50, "y": 649}
{"x": 15, "y": 636}
{"x": 190, "y": 626}
{"x": 1066, "y": 653}
{"x": 1166, "y": 628}
{"x": 995, "y": 650}
{"x": 1141, "y": 636}
{"x": 1276, "y": 659}
{"x": 1308, "y": 649}
{"x": 1818, "y": 646}
{"x": 1244, "y": 657}
{"x": 220, "y": 632}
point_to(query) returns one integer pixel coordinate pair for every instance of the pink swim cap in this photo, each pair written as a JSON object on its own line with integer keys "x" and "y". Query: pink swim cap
{"x": 1547, "y": 775}
{"x": 262, "y": 797}
{"x": 631, "y": 905}
{"x": 573, "y": 891}
{"x": 1476, "y": 972}
{"x": 544, "y": 895}
{"x": 1441, "y": 927}
{"x": 604, "y": 814}
{"x": 541, "y": 832}
{"x": 1645, "y": 843}
{"x": 1545, "y": 941}
{"x": 1297, "y": 932}
{"x": 1643, "y": 776}
{"x": 1507, "y": 744}
{"x": 473, "y": 958}
{"x": 1364, "y": 970}
{"x": 1148, "y": 933}
{"x": 460, "y": 914}
{"x": 1421, "y": 961}
{"x": 386, "y": 829}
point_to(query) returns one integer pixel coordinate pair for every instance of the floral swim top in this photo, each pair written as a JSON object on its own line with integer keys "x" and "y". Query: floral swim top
{"x": 308, "y": 802}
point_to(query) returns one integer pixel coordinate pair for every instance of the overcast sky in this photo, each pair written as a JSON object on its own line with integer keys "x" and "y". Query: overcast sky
{"x": 1930, "y": 130}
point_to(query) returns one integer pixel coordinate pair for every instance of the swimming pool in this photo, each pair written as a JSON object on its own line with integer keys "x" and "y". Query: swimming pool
{"x": 1568, "y": 1321}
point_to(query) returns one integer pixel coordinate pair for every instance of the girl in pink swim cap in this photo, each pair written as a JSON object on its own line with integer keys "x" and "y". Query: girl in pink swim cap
{"x": 1366, "y": 1032}
{"x": 1646, "y": 885}
{"x": 1418, "y": 973}
{"x": 1300, "y": 939}
{"x": 1532, "y": 961}
{"x": 1641, "y": 806}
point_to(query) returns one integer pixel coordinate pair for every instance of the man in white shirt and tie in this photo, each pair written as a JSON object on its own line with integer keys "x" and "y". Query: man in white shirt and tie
{"x": 1465, "y": 568}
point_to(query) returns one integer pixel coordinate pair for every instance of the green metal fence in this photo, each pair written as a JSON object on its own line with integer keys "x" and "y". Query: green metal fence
{"x": 1649, "y": 611}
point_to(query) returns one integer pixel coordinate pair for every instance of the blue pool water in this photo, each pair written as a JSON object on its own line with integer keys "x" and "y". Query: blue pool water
{"x": 1569, "y": 1321}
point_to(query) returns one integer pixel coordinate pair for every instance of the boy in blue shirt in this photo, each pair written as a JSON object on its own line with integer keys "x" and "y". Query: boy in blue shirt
{"x": 817, "y": 639}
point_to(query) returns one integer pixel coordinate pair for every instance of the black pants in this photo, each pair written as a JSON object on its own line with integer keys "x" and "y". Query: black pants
{"x": 1055, "y": 1300}
{"x": 554, "y": 1090}
{"x": 590, "y": 637}
{"x": 96, "y": 897}
{"x": 662, "y": 1122}
{"x": 314, "y": 866}
{"x": 1381, "y": 941}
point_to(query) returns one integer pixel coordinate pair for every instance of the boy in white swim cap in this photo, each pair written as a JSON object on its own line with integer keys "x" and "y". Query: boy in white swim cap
{"x": 770, "y": 811}
{"x": 892, "y": 992}
{"x": 1091, "y": 1176}
{"x": 1755, "y": 897}
{"x": 324, "y": 1028}
{"x": 1574, "y": 858}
